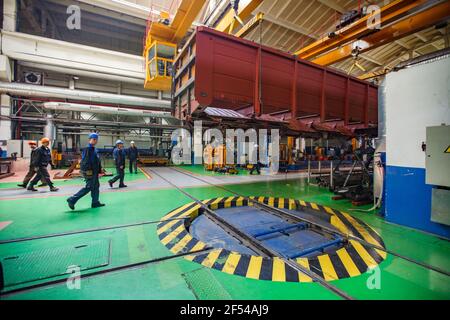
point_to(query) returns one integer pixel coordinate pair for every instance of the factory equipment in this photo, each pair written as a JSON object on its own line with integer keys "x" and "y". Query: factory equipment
{"x": 357, "y": 186}
{"x": 163, "y": 36}
{"x": 437, "y": 165}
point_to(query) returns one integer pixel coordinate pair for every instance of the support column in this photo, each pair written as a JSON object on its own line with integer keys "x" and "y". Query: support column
{"x": 5, "y": 110}
{"x": 6, "y": 74}
{"x": 9, "y": 15}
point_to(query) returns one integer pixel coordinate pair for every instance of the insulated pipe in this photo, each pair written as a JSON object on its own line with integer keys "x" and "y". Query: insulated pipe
{"x": 50, "y": 129}
{"x": 27, "y": 90}
{"x": 83, "y": 73}
{"x": 63, "y": 106}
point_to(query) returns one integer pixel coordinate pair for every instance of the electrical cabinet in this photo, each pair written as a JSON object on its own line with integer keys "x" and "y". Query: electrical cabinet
{"x": 438, "y": 172}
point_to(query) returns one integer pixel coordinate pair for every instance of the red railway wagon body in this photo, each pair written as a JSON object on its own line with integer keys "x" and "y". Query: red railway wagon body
{"x": 221, "y": 71}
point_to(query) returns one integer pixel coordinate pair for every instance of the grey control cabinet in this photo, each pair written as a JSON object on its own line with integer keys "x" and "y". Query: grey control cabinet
{"x": 438, "y": 172}
{"x": 438, "y": 156}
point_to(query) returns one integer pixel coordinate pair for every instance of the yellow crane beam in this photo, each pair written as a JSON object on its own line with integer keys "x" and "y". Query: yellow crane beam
{"x": 387, "y": 14}
{"x": 186, "y": 14}
{"x": 397, "y": 30}
{"x": 228, "y": 22}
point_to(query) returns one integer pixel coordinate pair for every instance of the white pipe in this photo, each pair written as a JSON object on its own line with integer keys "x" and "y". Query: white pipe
{"x": 106, "y": 110}
{"x": 83, "y": 73}
{"x": 29, "y": 90}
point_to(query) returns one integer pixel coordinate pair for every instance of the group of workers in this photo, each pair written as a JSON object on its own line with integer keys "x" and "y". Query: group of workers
{"x": 39, "y": 160}
{"x": 90, "y": 168}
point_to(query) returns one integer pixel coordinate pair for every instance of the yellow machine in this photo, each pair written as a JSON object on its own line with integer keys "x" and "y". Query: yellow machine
{"x": 215, "y": 157}
{"x": 164, "y": 34}
{"x": 161, "y": 42}
{"x": 56, "y": 158}
{"x": 159, "y": 61}
{"x": 286, "y": 151}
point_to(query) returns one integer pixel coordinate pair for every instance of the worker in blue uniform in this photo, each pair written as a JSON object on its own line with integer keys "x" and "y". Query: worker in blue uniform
{"x": 40, "y": 162}
{"x": 119, "y": 155}
{"x": 90, "y": 168}
{"x": 133, "y": 154}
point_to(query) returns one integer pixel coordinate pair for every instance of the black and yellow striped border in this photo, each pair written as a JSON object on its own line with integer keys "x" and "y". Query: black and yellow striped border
{"x": 349, "y": 261}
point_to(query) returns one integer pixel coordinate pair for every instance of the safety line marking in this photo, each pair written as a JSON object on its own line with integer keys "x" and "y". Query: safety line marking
{"x": 345, "y": 262}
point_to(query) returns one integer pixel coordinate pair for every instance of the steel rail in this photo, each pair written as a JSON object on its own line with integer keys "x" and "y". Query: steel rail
{"x": 61, "y": 234}
{"x": 256, "y": 245}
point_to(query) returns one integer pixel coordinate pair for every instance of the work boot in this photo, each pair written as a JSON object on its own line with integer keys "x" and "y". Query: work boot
{"x": 22, "y": 185}
{"x": 53, "y": 189}
{"x": 110, "y": 183}
{"x": 123, "y": 186}
{"x": 97, "y": 205}
{"x": 42, "y": 185}
{"x": 70, "y": 204}
{"x": 32, "y": 188}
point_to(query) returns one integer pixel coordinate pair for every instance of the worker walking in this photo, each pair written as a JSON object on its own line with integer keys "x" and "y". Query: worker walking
{"x": 256, "y": 167}
{"x": 31, "y": 172}
{"x": 40, "y": 162}
{"x": 119, "y": 155}
{"x": 133, "y": 155}
{"x": 258, "y": 164}
{"x": 90, "y": 168}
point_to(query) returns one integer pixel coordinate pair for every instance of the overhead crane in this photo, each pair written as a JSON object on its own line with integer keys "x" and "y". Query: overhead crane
{"x": 164, "y": 35}
{"x": 396, "y": 20}
{"x": 161, "y": 43}
{"x": 399, "y": 29}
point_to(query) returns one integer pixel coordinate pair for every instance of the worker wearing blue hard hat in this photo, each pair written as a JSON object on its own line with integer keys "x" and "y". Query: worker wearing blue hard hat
{"x": 120, "y": 156}
{"x": 90, "y": 168}
{"x": 93, "y": 135}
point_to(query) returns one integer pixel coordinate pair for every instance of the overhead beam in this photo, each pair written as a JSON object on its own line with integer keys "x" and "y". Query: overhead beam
{"x": 250, "y": 26}
{"x": 291, "y": 26}
{"x": 186, "y": 14}
{"x": 87, "y": 7}
{"x": 123, "y": 7}
{"x": 392, "y": 63}
{"x": 245, "y": 10}
{"x": 388, "y": 14}
{"x": 423, "y": 38}
{"x": 333, "y": 5}
{"x": 370, "y": 59}
{"x": 420, "y": 21}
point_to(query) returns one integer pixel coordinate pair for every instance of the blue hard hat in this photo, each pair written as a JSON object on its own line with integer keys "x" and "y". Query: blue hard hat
{"x": 93, "y": 135}
{"x": 119, "y": 142}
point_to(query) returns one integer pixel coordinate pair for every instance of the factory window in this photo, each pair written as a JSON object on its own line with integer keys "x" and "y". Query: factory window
{"x": 152, "y": 68}
{"x": 151, "y": 53}
{"x": 166, "y": 52}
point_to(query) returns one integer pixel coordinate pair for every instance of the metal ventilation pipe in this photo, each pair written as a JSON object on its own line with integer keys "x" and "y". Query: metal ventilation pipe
{"x": 28, "y": 90}
{"x": 50, "y": 129}
{"x": 63, "y": 106}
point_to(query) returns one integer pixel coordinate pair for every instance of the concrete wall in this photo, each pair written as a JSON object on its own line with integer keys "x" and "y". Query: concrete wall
{"x": 416, "y": 97}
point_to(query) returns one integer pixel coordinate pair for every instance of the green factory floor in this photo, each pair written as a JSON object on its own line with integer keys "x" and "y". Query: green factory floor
{"x": 178, "y": 278}
{"x": 79, "y": 181}
{"x": 200, "y": 170}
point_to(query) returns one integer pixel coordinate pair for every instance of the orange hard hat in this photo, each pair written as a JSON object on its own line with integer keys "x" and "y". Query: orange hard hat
{"x": 43, "y": 140}
{"x": 32, "y": 143}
